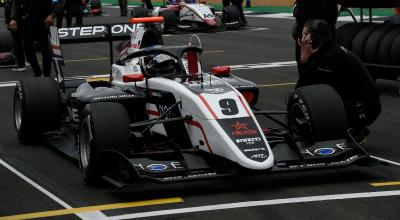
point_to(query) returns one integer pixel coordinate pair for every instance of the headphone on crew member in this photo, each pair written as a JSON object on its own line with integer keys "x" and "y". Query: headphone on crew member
{"x": 320, "y": 32}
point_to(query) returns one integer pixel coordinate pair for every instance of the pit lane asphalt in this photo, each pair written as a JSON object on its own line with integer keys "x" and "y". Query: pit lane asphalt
{"x": 61, "y": 177}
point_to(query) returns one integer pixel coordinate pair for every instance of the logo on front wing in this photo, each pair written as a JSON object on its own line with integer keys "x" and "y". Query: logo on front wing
{"x": 241, "y": 129}
{"x": 258, "y": 156}
{"x": 248, "y": 141}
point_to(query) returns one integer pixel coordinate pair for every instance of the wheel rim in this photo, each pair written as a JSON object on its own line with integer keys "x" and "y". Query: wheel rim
{"x": 299, "y": 121}
{"x": 85, "y": 139}
{"x": 18, "y": 109}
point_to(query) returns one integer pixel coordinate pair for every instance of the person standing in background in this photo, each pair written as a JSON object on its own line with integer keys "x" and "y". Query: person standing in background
{"x": 73, "y": 8}
{"x": 304, "y": 10}
{"x": 33, "y": 18}
{"x": 123, "y": 7}
{"x": 17, "y": 38}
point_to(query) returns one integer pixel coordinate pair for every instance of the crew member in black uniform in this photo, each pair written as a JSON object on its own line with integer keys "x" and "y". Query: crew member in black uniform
{"x": 123, "y": 7}
{"x": 324, "y": 61}
{"x": 18, "y": 50}
{"x": 305, "y": 10}
{"x": 238, "y": 4}
{"x": 34, "y": 17}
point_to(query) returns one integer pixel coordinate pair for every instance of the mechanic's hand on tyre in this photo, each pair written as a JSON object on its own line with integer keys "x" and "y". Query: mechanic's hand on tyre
{"x": 306, "y": 48}
{"x": 13, "y": 25}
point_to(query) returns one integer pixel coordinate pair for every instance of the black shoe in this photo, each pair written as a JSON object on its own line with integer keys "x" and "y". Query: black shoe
{"x": 360, "y": 135}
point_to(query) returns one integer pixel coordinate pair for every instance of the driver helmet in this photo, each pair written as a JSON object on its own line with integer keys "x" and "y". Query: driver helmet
{"x": 160, "y": 64}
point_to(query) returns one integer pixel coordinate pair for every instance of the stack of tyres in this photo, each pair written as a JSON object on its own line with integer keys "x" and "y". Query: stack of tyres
{"x": 346, "y": 33}
{"x": 361, "y": 38}
{"x": 377, "y": 45}
{"x": 395, "y": 51}
{"x": 386, "y": 45}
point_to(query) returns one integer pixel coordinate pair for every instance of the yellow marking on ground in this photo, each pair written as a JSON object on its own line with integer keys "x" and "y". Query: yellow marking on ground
{"x": 92, "y": 208}
{"x": 96, "y": 79}
{"x": 386, "y": 184}
{"x": 88, "y": 59}
{"x": 278, "y": 84}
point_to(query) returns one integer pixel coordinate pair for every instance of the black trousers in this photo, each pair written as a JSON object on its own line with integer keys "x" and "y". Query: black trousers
{"x": 18, "y": 48}
{"x": 72, "y": 9}
{"x": 123, "y": 7}
{"x": 35, "y": 31}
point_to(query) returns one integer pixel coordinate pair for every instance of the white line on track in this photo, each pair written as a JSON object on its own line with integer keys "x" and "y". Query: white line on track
{"x": 258, "y": 203}
{"x": 84, "y": 216}
{"x": 263, "y": 65}
{"x": 386, "y": 160}
{"x": 233, "y": 68}
{"x": 290, "y": 16}
{"x": 7, "y": 84}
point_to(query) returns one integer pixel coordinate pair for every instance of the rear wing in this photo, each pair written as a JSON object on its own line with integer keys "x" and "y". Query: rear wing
{"x": 95, "y": 33}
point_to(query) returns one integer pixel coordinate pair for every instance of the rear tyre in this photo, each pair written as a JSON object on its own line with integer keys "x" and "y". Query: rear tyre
{"x": 104, "y": 126}
{"x": 37, "y": 108}
{"x": 231, "y": 13}
{"x": 317, "y": 113}
{"x": 139, "y": 12}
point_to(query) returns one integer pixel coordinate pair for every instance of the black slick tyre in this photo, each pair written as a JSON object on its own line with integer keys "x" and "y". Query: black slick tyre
{"x": 230, "y": 14}
{"x": 395, "y": 52}
{"x": 346, "y": 33}
{"x": 373, "y": 43}
{"x": 386, "y": 45}
{"x": 104, "y": 126}
{"x": 360, "y": 40}
{"x": 317, "y": 113}
{"x": 37, "y": 108}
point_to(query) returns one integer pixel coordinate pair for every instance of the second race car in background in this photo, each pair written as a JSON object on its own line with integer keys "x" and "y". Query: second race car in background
{"x": 190, "y": 16}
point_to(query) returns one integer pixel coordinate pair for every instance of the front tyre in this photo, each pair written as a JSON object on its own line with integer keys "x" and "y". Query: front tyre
{"x": 37, "y": 108}
{"x": 104, "y": 126}
{"x": 317, "y": 113}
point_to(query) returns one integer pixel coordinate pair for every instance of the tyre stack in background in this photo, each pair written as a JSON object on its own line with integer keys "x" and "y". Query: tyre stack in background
{"x": 377, "y": 45}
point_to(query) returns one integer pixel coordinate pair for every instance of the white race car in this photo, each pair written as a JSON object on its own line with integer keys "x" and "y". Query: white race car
{"x": 160, "y": 117}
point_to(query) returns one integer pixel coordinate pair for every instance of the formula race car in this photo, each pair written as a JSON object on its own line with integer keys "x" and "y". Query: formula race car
{"x": 160, "y": 117}
{"x": 93, "y": 7}
{"x": 190, "y": 16}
